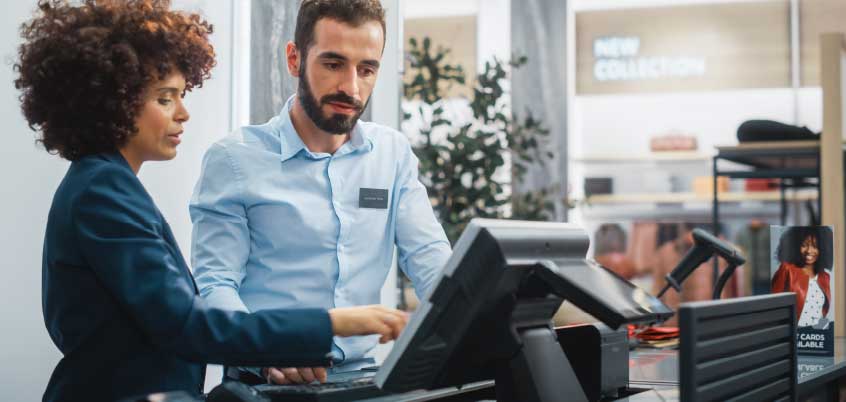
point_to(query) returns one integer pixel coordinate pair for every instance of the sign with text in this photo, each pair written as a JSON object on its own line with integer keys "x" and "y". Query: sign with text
{"x": 683, "y": 48}
{"x": 803, "y": 263}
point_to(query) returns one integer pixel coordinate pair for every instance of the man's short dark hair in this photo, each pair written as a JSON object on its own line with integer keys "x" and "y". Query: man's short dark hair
{"x": 352, "y": 12}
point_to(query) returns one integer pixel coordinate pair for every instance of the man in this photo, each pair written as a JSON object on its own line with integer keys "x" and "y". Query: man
{"x": 306, "y": 209}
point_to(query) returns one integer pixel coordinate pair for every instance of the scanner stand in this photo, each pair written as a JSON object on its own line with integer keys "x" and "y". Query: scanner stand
{"x": 540, "y": 372}
{"x": 531, "y": 365}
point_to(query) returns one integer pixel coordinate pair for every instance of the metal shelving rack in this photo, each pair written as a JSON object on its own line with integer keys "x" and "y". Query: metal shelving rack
{"x": 796, "y": 161}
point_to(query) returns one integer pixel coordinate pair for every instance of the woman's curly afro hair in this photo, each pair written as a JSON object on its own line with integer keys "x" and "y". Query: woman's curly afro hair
{"x": 83, "y": 69}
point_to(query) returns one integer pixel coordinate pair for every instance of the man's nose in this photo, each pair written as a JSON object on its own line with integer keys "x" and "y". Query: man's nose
{"x": 349, "y": 83}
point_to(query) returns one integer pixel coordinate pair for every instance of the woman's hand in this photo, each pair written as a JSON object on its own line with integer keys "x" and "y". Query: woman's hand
{"x": 368, "y": 320}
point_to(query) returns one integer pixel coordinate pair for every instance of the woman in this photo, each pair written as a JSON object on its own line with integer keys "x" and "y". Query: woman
{"x": 803, "y": 269}
{"x": 103, "y": 83}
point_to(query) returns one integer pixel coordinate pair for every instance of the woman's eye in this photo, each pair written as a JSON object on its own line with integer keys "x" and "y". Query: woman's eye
{"x": 164, "y": 101}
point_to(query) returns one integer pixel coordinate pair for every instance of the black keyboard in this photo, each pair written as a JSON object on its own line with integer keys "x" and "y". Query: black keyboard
{"x": 339, "y": 391}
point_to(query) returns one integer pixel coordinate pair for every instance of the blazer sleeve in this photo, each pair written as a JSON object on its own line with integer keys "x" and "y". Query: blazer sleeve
{"x": 120, "y": 235}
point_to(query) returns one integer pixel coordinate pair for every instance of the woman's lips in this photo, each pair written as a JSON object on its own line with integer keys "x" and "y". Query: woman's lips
{"x": 174, "y": 138}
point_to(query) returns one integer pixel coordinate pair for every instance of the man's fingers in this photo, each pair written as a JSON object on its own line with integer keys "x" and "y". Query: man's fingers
{"x": 367, "y": 320}
{"x": 292, "y": 375}
{"x": 385, "y": 332}
{"x": 320, "y": 373}
{"x": 276, "y": 376}
{"x": 396, "y": 321}
{"x": 388, "y": 322}
{"x": 307, "y": 374}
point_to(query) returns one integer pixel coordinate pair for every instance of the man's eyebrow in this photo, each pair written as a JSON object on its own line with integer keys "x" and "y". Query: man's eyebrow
{"x": 332, "y": 55}
{"x": 372, "y": 63}
{"x": 337, "y": 56}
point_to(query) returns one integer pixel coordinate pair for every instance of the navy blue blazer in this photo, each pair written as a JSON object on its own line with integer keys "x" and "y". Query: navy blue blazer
{"x": 120, "y": 302}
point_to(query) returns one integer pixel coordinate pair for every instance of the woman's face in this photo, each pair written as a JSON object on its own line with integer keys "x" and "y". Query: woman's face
{"x": 159, "y": 122}
{"x": 809, "y": 250}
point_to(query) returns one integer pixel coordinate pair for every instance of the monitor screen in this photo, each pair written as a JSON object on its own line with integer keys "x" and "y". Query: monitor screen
{"x": 504, "y": 274}
{"x": 605, "y": 295}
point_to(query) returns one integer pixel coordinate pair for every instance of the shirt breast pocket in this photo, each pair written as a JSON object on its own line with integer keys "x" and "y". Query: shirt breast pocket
{"x": 372, "y": 221}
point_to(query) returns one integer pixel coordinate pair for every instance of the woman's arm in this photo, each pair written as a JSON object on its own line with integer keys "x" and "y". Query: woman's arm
{"x": 120, "y": 235}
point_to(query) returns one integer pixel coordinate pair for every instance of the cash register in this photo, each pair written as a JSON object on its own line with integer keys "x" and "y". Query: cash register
{"x": 489, "y": 317}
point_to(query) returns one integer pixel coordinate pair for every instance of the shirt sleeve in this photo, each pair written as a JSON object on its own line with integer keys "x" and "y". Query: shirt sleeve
{"x": 423, "y": 248}
{"x": 220, "y": 241}
{"x": 120, "y": 234}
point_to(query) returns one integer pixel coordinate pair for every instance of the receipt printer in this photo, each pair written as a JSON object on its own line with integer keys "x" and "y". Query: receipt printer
{"x": 599, "y": 356}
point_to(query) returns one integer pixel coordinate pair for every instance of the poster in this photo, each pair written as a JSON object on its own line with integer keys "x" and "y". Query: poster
{"x": 803, "y": 262}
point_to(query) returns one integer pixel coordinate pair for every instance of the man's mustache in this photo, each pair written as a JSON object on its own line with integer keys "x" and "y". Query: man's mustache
{"x": 341, "y": 98}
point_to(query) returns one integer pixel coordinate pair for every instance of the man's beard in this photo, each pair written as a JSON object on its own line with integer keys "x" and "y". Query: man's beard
{"x": 338, "y": 124}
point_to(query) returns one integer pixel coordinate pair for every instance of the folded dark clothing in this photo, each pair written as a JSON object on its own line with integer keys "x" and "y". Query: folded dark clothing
{"x": 769, "y": 130}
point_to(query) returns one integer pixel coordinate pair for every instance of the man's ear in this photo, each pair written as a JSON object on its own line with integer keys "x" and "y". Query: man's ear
{"x": 292, "y": 56}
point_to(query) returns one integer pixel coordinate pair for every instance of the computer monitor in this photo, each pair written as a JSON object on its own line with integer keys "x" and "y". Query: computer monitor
{"x": 490, "y": 314}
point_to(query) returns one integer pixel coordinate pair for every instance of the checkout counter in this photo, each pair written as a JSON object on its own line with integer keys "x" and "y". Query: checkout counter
{"x": 657, "y": 371}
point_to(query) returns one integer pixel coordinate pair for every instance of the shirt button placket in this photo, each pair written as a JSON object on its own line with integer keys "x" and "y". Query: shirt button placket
{"x": 336, "y": 184}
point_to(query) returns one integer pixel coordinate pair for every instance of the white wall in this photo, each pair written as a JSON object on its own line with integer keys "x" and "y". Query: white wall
{"x": 30, "y": 177}
{"x": 493, "y": 24}
{"x": 623, "y": 124}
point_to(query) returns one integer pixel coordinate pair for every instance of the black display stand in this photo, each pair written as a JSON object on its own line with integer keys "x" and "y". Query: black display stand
{"x": 540, "y": 372}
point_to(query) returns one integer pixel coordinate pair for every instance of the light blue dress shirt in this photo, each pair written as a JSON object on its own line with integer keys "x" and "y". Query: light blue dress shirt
{"x": 279, "y": 226}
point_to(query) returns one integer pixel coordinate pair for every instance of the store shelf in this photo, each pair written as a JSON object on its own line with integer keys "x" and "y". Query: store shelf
{"x": 668, "y": 156}
{"x": 679, "y": 198}
{"x": 795, "y": 162}
{"x": 778, "y": 158}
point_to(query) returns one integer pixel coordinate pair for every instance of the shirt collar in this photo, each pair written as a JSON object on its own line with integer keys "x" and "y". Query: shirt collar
{"x": 291, "y": 144}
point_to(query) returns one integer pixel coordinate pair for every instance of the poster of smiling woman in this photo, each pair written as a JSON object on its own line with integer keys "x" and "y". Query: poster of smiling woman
{"x": 802, "y": 262}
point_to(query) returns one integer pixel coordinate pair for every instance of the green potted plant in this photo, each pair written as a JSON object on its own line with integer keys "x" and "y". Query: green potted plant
{"x": 464, "y": 164}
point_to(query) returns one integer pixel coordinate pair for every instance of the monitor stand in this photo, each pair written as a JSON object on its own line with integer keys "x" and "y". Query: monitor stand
{"x": 540, "y": 371}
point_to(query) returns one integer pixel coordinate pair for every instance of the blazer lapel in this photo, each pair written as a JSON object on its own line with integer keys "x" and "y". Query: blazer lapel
{"x": 116, "y": 157}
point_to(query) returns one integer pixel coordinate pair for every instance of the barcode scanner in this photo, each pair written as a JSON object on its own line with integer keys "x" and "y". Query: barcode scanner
{"x": 705, "y": 245}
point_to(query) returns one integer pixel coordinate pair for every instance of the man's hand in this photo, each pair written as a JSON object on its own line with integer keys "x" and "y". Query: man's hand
{"x": 291, "y": 375}
{"x": 368, "y": 320}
